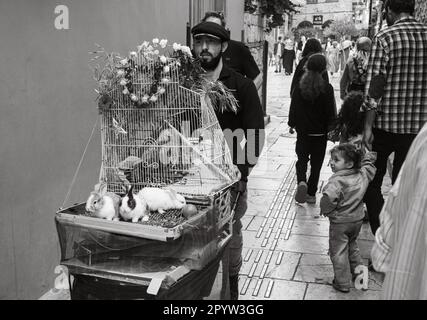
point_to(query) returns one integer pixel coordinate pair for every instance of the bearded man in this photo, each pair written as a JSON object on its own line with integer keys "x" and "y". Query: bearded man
{"x": 210, "y": 42}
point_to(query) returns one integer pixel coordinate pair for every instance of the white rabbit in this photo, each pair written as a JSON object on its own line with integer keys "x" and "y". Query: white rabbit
{"x": 133, "y": 207}
{"x": 162, "y": 199}
{"x": 103, "y": 204}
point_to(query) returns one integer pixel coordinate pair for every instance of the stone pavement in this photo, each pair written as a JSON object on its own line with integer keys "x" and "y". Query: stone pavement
{"x": 286, "y": 245}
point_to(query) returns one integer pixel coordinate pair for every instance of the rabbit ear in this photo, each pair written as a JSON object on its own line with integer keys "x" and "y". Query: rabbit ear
{"x": 97, "y": 187}
{"x": 103, "y": 188}
{"x": 172, "y": 191}
{"x": 130, "y": 194}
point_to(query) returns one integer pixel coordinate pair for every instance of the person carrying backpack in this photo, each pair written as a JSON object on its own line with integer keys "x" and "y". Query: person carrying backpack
{"x": 354, "y": 76}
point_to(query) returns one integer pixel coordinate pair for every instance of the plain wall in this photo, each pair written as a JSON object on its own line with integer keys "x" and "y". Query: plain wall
{"x": 235, "y": 14}
{"x": 48, "y": 110}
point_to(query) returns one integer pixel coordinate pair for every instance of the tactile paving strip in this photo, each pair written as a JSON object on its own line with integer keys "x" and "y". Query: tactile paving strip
{"x": 278, "y": 221}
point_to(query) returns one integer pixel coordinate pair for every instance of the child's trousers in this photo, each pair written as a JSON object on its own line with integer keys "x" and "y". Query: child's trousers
{"x": 343, "y": 250}
{"x": 310, "y": 148}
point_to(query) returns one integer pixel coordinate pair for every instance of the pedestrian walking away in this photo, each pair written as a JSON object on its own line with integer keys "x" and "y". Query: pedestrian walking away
{"x": 210, "y": 41}
{"x": 311, "y": 114}
{"x": 396, "y": 95}
{"x": 311, "y": 47}
{"x": 333, "y": 55}
{"x": 355, "y": 71}
{"x": 288, "y": 57}
{"x": 342, "y": 203}
{"x": 278, "y": 53}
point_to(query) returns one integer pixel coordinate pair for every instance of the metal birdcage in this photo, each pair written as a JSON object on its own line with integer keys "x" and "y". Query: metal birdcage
{"x": 173, "y": 141}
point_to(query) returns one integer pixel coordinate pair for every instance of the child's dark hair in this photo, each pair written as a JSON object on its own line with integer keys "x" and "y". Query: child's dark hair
{"x": 350, "y": 117}
{"x": 312, "y": 83}
{"x": 350, "y": 153}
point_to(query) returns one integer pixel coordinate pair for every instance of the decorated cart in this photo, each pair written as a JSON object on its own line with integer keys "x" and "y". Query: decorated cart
{"x": 158, "y": 130}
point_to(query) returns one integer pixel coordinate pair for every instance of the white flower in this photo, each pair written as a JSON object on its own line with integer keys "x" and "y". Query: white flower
{"x": 186, "y": 50}
{"x": 150, "y": 48}
{"x": 126, "y": 91}
{"x": 133, "y": 54}
{"x": 156, "y": 41}
{"x": 123, "y": 82}
{"x": 176, "y": 46}
{"x": 161, "y": 90}
{"x": 163, "y": 43}
{"x": 134, "y": 97}
{"x": 154, "y": 99}
{"x": 124, "y": 62}
{"x": 166, "y": 69}
{"x": 145, "y": 98}
{"x": 156, "y": 52}
{"x": 145, "y": 44}
{"x": 165, "y": 81}
{"x": 120, "y": 73}
{"x": 163, "y": 59}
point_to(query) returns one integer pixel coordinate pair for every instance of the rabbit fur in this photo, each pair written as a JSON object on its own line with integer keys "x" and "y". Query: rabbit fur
{"x": 103, "y": 204}
{"x": 133, "y": 207}
{"x": 161, "y": 199}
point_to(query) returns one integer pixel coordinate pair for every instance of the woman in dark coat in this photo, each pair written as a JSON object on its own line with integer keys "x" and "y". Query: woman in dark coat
{"x": 311, "y": 47}
{"x": 288, "y": 57}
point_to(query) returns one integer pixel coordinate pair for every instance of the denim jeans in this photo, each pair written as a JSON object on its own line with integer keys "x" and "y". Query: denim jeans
{"x": 384, "y": 144}
{"x": 232, "y": 259}
{"x": 310, "y": 148}
{"x": 343, "y": 251}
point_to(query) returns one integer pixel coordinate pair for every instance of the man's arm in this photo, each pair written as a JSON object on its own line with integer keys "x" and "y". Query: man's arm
{"x": 253, "y": 124}
{"x": 368, "y": 137}
{"x": 368, "y": 168}
{"x": 374, "y": 88}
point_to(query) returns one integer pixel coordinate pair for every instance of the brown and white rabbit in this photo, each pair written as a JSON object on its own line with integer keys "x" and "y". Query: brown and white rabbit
{"x": 133, "y": 207}
{"x": 162, "y": 199}
{"x": 103, "y": 204}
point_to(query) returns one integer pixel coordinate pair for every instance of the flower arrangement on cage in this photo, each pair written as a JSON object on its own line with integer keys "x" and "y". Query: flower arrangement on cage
{"x": 118, "y": 70}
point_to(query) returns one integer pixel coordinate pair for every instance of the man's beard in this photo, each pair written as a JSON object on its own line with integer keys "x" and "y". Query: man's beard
{"x": 211, "y": 65}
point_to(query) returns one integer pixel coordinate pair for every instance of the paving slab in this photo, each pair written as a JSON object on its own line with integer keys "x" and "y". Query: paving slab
{"x": 326, "y": 292}
{"x": 280, "y": 289}
{"x": 304, "y": 244}
{"x": 319, "y": 269}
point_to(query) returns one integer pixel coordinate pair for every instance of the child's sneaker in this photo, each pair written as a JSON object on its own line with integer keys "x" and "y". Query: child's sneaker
{"x": 301, "y": 194}
{"x": 311, "y": 199}
{"x": 339, "y": 288}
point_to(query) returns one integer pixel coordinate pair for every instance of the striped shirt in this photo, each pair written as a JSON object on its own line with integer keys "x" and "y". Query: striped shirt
{"x": 399, "y": 58}
{"x": 400, "y": 248}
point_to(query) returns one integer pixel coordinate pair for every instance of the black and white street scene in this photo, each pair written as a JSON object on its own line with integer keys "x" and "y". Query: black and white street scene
{"x": 217, "y": 150}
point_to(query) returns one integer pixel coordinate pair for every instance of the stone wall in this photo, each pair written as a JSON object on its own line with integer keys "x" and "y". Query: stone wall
{"x": 421, "y": 10}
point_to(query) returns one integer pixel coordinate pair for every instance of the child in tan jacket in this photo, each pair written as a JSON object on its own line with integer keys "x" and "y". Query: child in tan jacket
{"x": 342, "y": 203}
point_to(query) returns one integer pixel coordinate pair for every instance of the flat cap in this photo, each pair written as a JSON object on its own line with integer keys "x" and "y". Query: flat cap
{"x": 210, "y": 29}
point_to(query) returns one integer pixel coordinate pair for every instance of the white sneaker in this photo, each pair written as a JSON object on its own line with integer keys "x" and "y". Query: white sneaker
{"x": 301, "y": 194}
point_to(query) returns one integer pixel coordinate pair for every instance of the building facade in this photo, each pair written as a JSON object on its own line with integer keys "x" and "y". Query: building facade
{"x": 319, "y": 13}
